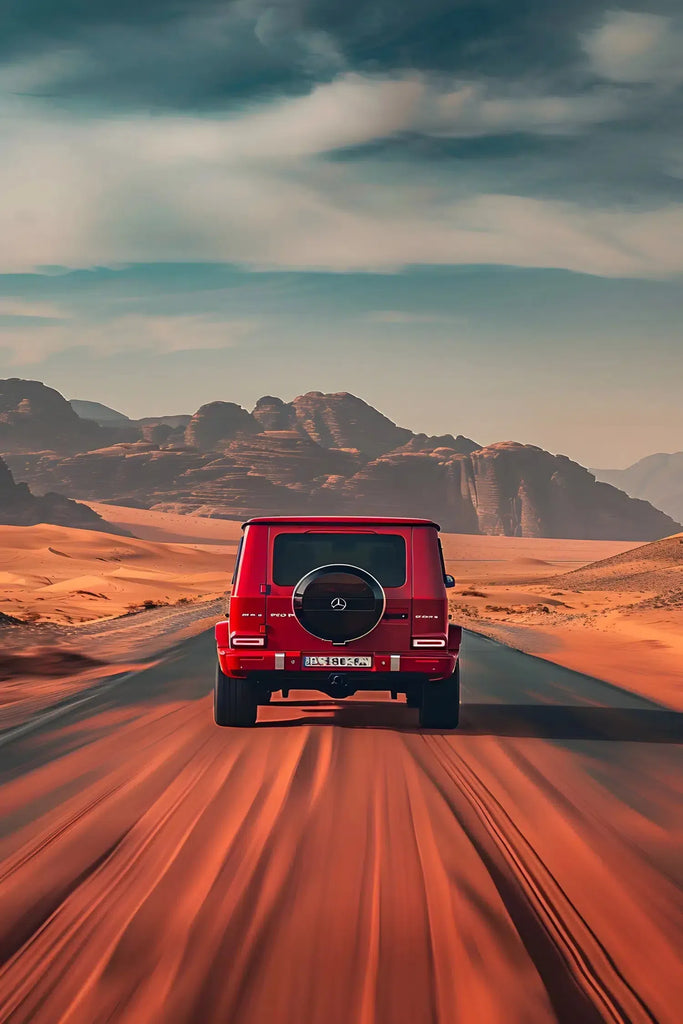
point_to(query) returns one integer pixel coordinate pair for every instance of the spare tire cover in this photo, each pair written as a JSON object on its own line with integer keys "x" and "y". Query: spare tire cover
{"x": 338, "y": 602}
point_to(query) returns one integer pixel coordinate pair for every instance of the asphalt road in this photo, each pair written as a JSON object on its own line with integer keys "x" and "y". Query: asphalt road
{"x": 338, "y": 865}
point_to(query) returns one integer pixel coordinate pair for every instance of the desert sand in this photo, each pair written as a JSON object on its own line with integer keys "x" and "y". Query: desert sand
{"x": 620, "y": 620}
{"x": 88, "y": 606}
{"x": 64, "y": 575}
{"x": 170, "y": 527}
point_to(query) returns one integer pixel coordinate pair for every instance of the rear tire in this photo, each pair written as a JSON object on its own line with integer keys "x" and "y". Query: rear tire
{"x": 234, "y": 701}
{"x": 440, "y": 707}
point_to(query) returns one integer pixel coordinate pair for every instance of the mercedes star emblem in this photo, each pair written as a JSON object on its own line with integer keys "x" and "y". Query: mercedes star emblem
{"x": 338, "y": 604}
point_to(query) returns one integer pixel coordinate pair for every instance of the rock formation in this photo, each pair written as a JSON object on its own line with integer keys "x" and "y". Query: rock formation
{"x": 274, "y": 414}
{"x": 18, "y": 507}
{"x": 343, "y": 421}
{"x": 335, "y": 454}
{"x": 217, "y": 423}
{"x": 34, "y": 417}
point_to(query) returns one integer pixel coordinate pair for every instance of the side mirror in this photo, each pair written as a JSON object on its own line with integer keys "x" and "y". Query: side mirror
{"x": 448, "y": 580}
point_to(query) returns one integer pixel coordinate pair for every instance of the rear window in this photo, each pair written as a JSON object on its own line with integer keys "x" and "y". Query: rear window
{"x": 381, "y": 554}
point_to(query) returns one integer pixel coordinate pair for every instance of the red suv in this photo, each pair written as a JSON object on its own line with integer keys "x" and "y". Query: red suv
{"x": 338, "y": 605}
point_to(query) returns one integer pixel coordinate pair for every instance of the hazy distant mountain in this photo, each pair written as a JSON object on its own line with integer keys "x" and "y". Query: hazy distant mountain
{"x": 656, "y": 478}
{"x": 166, "y": 421}
{"x": 323, "y": 453}
{"x": 101, "y": 414}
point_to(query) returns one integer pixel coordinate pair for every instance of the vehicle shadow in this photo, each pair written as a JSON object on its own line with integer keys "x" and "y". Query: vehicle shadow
{"x": 535, "y": 721}
{"x": 570, "y": 722}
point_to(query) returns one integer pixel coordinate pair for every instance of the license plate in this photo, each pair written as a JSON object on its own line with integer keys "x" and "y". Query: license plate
{"x": 336, "y": 661}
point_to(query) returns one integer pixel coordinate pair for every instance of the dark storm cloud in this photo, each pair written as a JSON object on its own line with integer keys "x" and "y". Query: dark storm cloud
{"x": 313, "y": 134}
{"x": 182, "y": 54}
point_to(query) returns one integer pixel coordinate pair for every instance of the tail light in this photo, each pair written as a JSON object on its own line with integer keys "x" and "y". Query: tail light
{"x": 428, "y": 642}
{"x": 247, "y": 641}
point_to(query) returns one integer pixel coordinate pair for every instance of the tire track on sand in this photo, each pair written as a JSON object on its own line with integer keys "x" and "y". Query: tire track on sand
{"x": 582, "y": 980}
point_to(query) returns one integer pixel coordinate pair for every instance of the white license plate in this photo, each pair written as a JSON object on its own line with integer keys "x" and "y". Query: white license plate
{"x": 336, "y": 661}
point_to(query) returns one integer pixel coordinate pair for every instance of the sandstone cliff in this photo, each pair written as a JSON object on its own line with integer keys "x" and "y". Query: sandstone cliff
{"x": 509, "y": 489}
{"x": 217, "y": 423}
{"x": 343, "y": 421}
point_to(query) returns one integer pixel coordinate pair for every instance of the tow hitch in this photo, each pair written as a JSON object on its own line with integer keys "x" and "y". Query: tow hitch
{"x": 338, "y": 685}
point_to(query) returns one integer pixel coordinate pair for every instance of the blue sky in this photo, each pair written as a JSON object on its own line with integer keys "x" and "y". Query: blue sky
{"x": 467, "y": 213}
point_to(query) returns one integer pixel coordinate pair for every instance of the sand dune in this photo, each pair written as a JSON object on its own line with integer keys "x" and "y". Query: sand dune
{"x": 57, "y": 574}
{"x": 170, "y": 527}
{"x": 619, "y": 618}
{"x": 649, "y": 567}
{"x": 63, "y": 575}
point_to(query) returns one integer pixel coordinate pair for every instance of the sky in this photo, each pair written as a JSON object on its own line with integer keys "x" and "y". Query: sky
{"x": 470, "y": 214}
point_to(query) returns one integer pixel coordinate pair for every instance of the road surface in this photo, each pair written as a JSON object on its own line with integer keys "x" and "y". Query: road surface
{"x": 338, "y": 865}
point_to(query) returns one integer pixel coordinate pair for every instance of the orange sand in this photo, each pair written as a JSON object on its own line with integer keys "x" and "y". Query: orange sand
{"x": 170, "y": 527}
{"x": 57, "y": 574}
{"x": 604, "y": 623}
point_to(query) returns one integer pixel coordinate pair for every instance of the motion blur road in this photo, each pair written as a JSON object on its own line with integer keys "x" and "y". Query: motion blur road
{"x": 338, "y": 865}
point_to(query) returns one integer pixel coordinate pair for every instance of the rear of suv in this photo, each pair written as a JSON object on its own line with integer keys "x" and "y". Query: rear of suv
{"x": 338, "y": 605}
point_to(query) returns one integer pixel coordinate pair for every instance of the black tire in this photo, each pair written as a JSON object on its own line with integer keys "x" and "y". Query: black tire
{"x": 414, "y": 697}
{"x": 440, "y": 707}
{"x": 234, "y": 701}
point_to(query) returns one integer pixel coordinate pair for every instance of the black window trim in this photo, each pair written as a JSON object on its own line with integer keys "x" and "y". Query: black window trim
{"x": 237, "y": 561}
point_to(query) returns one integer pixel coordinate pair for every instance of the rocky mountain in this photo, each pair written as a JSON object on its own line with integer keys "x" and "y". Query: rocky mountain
{"x": 331, "y": 454}
{"x": 507, "y": 489}
{"x": 18, "y": 507}
{"x": 34, "y": 418}
{"x": 656, "y": 478}
{"x": 344, "y": 421}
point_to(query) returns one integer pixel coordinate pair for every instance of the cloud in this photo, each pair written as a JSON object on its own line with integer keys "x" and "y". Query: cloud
{"x": 403, "y": 317}
{"x": 635, "y": 47}
{"x": 356, "y": 109}
{"x": 190, "y": 52}
{"x": 257, "y": 189}
{"x": 128, "y": 332}
{"x": 19, "y": 309}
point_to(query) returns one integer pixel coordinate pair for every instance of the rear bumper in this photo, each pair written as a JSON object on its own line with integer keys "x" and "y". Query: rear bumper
{"x": 287, "y": 667}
